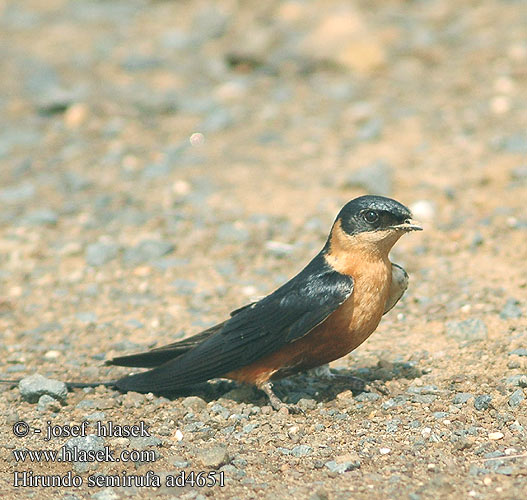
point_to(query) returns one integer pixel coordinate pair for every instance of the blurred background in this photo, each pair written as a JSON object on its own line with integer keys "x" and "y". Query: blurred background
{"x": 161, "y": 160}
{"x": 164, "y": 162}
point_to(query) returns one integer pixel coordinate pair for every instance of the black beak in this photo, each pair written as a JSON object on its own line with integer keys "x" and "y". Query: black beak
{"x": 408, "y": 225}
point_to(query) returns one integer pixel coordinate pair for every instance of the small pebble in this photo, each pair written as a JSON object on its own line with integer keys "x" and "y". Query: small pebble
{"x": 511, "y": 309}
{"x": 301, "y": 450}
{"x": 42, "y": 217}
{"x": 194, "y": 403}
{"x": 307, "y": 404}
{"x": 482, "y": 402}
{"x": 98, "y": 254}
{"x": 516, "y": 398}
{"x": 47, "y": 403}
{"x": 494, "y": 436}
{"x": 105, "y": 494}
{"x": 213, "y": 457}
{"x": 340, "y": 468}
{"x": 423, "y": 210}
{"x": 367, "y": 396}
{"x": 461, "y": 398}
{"x": 520, "y": 380}
{"x": 146, "y": 251}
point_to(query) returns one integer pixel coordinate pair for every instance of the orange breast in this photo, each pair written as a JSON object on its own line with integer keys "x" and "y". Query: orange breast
{"x": 344, "y": 330}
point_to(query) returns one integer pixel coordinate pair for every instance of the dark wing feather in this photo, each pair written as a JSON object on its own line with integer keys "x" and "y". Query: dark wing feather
{"x": 284, "y": 316}
{"x": 160, "y": 355}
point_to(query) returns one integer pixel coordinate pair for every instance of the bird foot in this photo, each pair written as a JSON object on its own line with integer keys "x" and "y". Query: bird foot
{"x": 378, "y": 386}
{"x": 277, "y": 403}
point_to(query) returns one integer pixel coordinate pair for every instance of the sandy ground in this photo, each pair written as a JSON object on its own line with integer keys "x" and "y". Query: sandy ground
{"x": 165, "y": 162}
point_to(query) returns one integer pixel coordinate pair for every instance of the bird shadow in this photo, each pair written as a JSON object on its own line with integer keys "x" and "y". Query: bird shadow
{"x": 306, "y": 386}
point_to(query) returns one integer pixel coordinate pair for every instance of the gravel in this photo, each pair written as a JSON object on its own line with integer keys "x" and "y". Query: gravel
{"x": 164, "y": 163}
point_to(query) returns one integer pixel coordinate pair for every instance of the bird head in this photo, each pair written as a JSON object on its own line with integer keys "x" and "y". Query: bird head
{"x": 373, "y": 223}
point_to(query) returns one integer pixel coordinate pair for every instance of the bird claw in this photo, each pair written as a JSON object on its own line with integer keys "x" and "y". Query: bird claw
{"x": 292, "y": 409}
{"x": 277, "y": 404}
{"x": 378, "y": 386}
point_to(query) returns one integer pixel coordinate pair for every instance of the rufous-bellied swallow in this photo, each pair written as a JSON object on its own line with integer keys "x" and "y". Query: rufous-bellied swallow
{"x": 328, "y": 309}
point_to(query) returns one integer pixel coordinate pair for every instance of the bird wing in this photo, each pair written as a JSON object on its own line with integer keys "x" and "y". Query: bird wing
{"x": 398, "y": 286}
{"x": 160, "y": 355}
{"x": 255, "y": 331}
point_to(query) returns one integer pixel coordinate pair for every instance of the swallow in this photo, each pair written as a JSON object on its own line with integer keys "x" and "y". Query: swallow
{"x": 323, "y": 313}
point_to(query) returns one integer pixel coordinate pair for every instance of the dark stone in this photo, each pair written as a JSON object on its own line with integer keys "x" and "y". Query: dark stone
{"x": 461, "y": 398}
{"x": 482, "y": 402}
{"x": 516, "y": 398}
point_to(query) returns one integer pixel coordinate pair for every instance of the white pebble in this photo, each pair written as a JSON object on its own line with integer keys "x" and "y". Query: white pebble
{"x": 495, "y": 435}
{"x": 181, "y": 187}
{"x": 423, "y": 210}
{"x": 384, "y": 451}
{"x": 250, "y": 291}
{"x": 500, "y": 104}
{"x": 197, "y": 139}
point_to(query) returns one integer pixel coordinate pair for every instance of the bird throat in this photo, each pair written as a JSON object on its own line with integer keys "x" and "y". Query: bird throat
{"x": 353, "y": 254}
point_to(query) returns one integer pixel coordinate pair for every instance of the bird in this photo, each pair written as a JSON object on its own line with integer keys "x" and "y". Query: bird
{"x": 323, "y": 313}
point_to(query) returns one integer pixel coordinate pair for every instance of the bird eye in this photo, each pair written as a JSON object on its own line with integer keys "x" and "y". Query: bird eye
{"x": 371, "y": 216}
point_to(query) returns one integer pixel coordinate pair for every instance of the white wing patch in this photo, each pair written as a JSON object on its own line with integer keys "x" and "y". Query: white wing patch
{"x": 397, "y": 288}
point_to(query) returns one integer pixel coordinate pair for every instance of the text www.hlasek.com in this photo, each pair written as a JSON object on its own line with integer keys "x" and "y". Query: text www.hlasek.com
{"x": 74, "y": 454}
